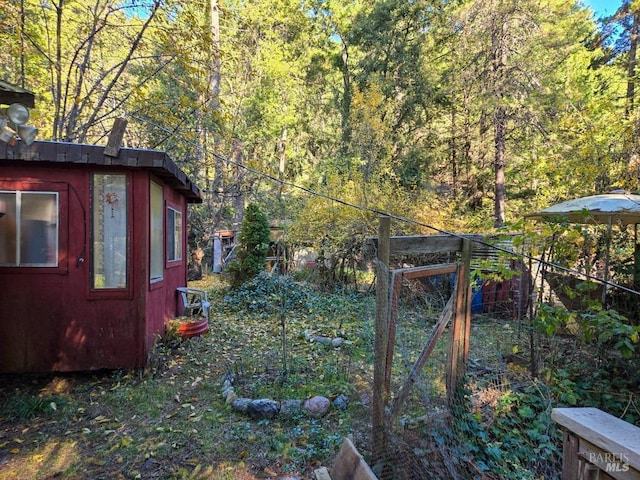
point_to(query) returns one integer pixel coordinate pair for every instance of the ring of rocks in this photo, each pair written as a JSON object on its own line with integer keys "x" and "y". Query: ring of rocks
{"x": 266, "y": 408}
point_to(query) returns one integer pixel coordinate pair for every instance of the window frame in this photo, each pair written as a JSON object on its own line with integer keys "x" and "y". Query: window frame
{"x": 172, "y": 234}
{"x": 62, "y": 228}
{"x": 156, "y": 258}
{"x": 115, "y": 292}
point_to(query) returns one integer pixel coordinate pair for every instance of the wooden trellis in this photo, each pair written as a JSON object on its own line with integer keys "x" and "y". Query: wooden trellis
{"x": 457, "y": 310}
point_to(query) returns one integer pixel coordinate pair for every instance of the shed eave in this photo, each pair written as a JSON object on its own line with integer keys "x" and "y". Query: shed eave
{"x": 72, "y": 153}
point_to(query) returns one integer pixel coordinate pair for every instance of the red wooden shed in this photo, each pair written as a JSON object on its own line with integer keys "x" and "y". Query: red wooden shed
{"x": 92, "y": 249}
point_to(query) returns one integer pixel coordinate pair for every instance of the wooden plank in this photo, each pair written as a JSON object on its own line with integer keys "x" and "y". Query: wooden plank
{"x": 321, "y": 474}
{"x": 603, "y": 430}
{"x": 350, "y": 465}
{"x": 467, "y": 257}
{"x": 427, "y": 270}
{"x": 363, "y": 471}
{"x": 610, "y": 465}
{"x": 425, "y": 244}
{"x": 346, "y": 461}
{"x": 380, "y": 397}
{"x": 458, "y": 351}
{"x": 415, "y": 244}
{"x": 114, "y": 142}
{"x": 570, "y": 457}
{"x": 445, "y": 318}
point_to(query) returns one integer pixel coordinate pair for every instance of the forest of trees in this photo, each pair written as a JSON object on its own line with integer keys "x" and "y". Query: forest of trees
{"x": 461, "y": 114}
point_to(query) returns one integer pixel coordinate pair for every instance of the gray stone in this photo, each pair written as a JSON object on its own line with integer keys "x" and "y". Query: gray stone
{"x": 341, "y": 402}
{"x": 263, "y": 408}
{"x": 290, "y": 407}
{"x": 323, "y": 340}
{"x": 336, "y": 342}
{"x": 317, "y": 406}
{"x": 230, "y": 397}
{"x": 241, "y": 404}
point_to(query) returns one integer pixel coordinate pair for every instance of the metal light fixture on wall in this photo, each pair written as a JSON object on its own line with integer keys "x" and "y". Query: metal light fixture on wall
{"x": 7, "y": 135}
{"x": 27, "y": 133}
{"x": 18, "y": 115}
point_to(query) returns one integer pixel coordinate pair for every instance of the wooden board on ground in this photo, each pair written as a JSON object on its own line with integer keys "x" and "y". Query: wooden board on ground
{"x": 350, "y": 465}
{"x": 321, "y": 474}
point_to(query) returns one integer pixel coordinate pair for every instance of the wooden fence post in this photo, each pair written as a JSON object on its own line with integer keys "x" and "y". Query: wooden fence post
{"x": 460, "y": 330}
{"x": 380, "y": 394}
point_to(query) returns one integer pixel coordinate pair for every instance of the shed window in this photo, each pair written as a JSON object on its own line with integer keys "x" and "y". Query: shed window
{"x": 110, "y": 234}
{"x": 157, "y": 232}
{"x": 174, "y": 235}
{"x": 28, "y": 229}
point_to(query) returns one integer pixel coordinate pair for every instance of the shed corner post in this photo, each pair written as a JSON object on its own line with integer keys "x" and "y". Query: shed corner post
{"x": 380, "y": 395}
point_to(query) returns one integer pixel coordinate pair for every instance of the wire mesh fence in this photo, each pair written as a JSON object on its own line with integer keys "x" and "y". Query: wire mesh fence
{"x": 499, "y": 426}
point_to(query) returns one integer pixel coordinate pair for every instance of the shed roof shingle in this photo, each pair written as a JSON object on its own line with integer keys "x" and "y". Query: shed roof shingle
{"x": 61, "y": 152}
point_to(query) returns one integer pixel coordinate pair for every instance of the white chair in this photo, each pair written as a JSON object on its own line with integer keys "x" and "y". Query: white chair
{"x": 194, "y": 301}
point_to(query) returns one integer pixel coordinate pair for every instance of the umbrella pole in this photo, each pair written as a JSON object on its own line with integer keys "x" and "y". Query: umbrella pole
{"x": 606, "y": 263}
{"x": 636, "y": 253}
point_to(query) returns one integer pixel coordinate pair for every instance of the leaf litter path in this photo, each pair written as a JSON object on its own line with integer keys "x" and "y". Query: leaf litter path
{"x": 170, "y": 421}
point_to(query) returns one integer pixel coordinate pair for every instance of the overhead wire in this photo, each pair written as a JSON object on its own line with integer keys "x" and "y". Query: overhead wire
{"x": 421, "y": 224}
{"x": 407, "y": 220}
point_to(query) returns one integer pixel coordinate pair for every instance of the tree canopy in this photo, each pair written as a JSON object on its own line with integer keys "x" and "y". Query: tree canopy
{"x": 464, "y": 115}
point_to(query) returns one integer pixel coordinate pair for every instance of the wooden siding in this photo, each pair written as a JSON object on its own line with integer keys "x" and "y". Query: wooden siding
{"x": 50, "y": 318}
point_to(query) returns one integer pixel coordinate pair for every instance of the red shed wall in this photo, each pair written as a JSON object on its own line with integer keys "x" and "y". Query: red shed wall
{"x": 50, "y": 318}
{"x": 162, "y": 302}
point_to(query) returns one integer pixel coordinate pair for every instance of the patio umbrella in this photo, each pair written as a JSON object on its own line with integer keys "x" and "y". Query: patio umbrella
{"x": 614, "y": 208}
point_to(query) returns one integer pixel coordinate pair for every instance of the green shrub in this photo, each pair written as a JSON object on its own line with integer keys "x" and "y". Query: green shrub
{"x": 252, "y": 251}
{"x": 268, "y": 293}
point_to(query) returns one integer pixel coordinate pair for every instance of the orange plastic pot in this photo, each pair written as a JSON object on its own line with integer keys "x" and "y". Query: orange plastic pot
{"x": 193, "y": 328}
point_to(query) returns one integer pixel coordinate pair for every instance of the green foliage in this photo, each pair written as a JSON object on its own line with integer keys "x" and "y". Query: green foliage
{"x": 519, "y": 440}
{"x": 25, "y": 406}
{"x": 609, "y": 328}
{"x": 603, "y": 328}
{"x": 268, "y": 293}
{"x": 252, "y": 250}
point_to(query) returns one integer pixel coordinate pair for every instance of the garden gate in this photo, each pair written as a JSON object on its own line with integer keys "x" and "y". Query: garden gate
{"x": 457, "y": 310}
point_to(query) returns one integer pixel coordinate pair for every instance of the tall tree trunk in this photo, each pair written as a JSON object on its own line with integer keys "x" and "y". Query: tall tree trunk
{"x": 346, "y": 99}
{"x": 22, "y": 52}
{"x": 57, "y": 94}
{"x": 631, "y": 65}
{"x": 631, "y": 86}
{"x": 499, "y": 61}
{"x": 238, "y": 182}
{"x": 500, "y": 125}
{"x": 214, "y": 85}
{"x": 282, "y": 150}
{"x": 466, "y": 152}
{"x": 453, "y": 155}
